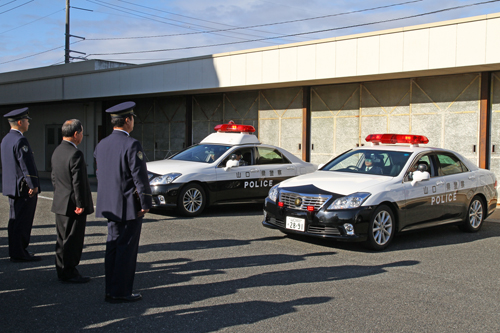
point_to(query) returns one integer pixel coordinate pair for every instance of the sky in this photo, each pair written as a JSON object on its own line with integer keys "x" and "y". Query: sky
{"x": 32, "y": 32}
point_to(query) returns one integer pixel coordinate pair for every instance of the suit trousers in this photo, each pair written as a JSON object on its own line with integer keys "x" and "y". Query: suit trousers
{"x": 69, "y": 244}
{"x": 22, "y": 212}
{"x": 120, "y": 261}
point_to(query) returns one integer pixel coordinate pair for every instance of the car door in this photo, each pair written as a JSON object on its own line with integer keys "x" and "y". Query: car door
{"x": 274, "y": 168}
{"x": 423, "y": 199}
{"x": 240, "y": 181}
{"x": 459, "y": 182}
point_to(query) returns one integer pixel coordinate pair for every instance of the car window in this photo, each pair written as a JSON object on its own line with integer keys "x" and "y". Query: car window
{"x": 267, "y": 155}
{"x": 201, "y": 153}
{"x": 244, "y": 156}
{"x": 450, "y": 164}
{"x": 426, "y": 159}
{"x": 378, "y": 162}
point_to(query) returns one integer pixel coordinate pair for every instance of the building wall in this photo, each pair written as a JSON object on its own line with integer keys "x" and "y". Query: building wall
{"x": 160, "y": 126}
{"x": 495, "y": 123}
{"x": 443, "y": 108}
{"x": 45, "y": 117}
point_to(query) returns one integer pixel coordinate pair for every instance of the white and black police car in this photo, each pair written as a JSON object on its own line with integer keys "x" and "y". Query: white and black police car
{"x": 370, "y": 193}
{"x": 228, "y": 166}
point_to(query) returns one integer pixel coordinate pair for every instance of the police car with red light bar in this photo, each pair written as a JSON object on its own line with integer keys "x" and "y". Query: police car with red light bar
{"x": 228, "y": 166}
{"x": 370, "y": 193}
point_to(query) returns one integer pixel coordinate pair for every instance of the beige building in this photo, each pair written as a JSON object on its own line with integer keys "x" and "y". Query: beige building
{"x": 315, "y": 99}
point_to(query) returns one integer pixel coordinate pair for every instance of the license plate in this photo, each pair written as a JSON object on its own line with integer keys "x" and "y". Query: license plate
{"x": 295, "y": 223}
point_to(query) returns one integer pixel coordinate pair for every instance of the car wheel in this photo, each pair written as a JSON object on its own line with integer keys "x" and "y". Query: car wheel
{"x": 381, "y": 229}
{"x": 475, "y": 215}
{"x": 192, "y": 200}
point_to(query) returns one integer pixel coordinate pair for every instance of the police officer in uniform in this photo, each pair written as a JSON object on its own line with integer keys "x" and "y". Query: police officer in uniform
{"x": 20, "y": 183}
{"x": 123, "y": 197}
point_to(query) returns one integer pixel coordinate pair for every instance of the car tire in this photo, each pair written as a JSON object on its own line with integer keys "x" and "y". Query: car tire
{"x": 474, "y": 216}
{"x": 191, "y": 200}
{"x": 381, "y": 229}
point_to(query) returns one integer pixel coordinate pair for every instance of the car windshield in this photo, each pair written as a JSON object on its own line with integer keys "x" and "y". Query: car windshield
{"x": 201, "y": 153}
{"x": 377, "y": 162}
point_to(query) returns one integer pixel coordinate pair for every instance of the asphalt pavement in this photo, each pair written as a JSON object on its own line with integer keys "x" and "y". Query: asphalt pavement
{"x": 224, "y": 272}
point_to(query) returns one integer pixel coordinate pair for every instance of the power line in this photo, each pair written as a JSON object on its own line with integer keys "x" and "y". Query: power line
{"x": 5, "y": 4}
{"x": 265, "y": 25}
{"x": 8, "y": 10}
{"x": 192, "y": 18}
{"x": 305, "y": 33}
{"x": 131, "y": 12}
{"x": 31, "y": 22}
{"x": 32, "y": 55}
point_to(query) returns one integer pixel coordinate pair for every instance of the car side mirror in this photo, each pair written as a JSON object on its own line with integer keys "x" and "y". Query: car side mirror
{"x": 419, "y": 176}
{"x": 231, "y": 164}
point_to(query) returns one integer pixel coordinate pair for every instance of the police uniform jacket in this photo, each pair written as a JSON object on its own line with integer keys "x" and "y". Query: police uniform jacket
{"x": 123, "y": 185}
{"x": 70, "y": 180}
{"x": 18, "y": 164}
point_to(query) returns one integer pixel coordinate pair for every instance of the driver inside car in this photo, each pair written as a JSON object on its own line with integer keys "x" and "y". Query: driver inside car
{"x": 370, "y": 167}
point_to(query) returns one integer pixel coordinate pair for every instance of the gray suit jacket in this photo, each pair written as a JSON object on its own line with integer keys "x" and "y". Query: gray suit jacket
{"x": 70, "y": 180}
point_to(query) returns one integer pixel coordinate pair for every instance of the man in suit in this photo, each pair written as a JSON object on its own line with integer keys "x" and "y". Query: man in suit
{"x": 123, "y": 197}
{"x": 21, "y": 184}
{"x": 72, "y": 202}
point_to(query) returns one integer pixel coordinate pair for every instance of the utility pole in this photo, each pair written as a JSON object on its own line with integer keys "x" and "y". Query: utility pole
{"x": 67, "y": 57}
{"x": 66, "y": 44}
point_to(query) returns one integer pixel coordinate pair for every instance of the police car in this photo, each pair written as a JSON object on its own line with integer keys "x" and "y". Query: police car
{"x": 230, "y": 165}
{"x": 370, "y": 193}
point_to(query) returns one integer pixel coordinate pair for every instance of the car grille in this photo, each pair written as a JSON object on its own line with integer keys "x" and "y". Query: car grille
{"x": 289, "y": 200}
{"x": 314, "y": 229}
{"x": 277, "y": 223}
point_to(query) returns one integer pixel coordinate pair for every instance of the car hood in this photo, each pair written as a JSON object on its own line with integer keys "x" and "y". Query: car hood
{"x": 343, "y": 183}
{"x": 167, "y": 166}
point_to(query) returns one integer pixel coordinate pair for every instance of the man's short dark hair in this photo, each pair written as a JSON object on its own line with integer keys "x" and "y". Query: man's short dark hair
{"x": 119, "y": 121}
{"x": 70, "y": 127}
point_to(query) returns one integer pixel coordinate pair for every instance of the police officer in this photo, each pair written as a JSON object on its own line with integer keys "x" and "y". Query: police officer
{"x": 123, "y": 197}
{"x": 20, "y": 183}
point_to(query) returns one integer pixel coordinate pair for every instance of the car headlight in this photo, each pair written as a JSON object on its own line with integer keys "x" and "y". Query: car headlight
{"x": 165, "y": 179}
{"x": 273, "y": 193}
{"x": 351, "y": 201}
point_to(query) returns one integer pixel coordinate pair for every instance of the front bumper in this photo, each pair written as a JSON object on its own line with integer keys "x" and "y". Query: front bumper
{"x": 322, "y": 223}
{"x": 165, "y": 196}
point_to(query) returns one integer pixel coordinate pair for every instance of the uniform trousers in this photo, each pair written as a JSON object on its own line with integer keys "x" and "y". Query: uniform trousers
{"x": 69, "y": 244}
{"x": 120, "y": 261}
{"x": 22, "y": 212}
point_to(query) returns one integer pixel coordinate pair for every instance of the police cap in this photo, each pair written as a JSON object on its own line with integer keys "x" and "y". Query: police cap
{"x": 18, "y": 114}
{"x": 124, "y": 109}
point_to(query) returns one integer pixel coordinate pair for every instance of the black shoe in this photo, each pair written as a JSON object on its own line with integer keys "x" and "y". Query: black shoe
{"x": 125, "y": 299}
{"x": 32, "y": 257}
{"x": 76, "y": 279}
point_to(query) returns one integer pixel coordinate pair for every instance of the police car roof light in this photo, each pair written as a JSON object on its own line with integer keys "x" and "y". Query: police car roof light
{"x": 232, "y": 127}
{"x": 397, "y": 138}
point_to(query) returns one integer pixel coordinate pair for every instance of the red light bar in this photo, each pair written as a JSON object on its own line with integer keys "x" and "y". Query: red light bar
{"x": 397, "y": 138}
{"x": 232, "y": 127}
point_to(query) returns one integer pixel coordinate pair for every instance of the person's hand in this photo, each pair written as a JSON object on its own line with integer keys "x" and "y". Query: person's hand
{"x": 142, "y": 212}
{"x": 79, "y": 211}
{"x": 32, "y": 192}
